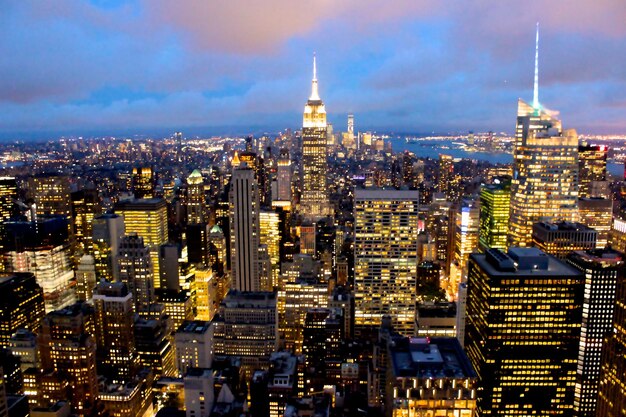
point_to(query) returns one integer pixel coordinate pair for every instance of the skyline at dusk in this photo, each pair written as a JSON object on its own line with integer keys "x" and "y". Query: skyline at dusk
{"x": 122, "y": 68}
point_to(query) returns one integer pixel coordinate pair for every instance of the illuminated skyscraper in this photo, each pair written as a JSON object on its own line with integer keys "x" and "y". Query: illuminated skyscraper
{"x": 612, "y": 389}
{"x": 135, "y": 270}
{"x": 193, "y": 345}
{"x": 143, "y": 182}
{"x": 440, "y": 225}
{"x": 495, "y": 200}
{"x": 602, "y": 269}
{"x": 108, "y": 230}
{"x": 8, "y": 194}
{"x": 465, "y": 240}
{"x": 269, "y": 229}
{"x": 51, "y": 193}
{"x": 545, "y": 170}
{"x": 351, "y": 124}
{"x": 147, "y": 218}
{"x": 522, "y": 331}
{"x": 196, "y": 203}
{"x": 446, "y": 174}
{"x": 244, "y": 230}
{"x": 22, "y": 304}
{"x": 385, "y": 257}
{"x": 314, "y": 202}
{"x": 153, "y": 343}
{"x": 591, "y": 167}
{"x": 284, "y": 176}
{"x": 246, "y": 326}
{"x": 42, "y": 247}
{"x": 322, "y": 336}
{"x": 294, "y": 300}
{"x": 115, "y": 327}
{"x": 68, "y": 347}
{"x": 85, "y": 278}
{"x": 85, "y": 207}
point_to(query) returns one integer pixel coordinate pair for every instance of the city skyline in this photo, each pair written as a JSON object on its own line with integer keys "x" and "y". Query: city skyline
{"x": 122, "y": 68}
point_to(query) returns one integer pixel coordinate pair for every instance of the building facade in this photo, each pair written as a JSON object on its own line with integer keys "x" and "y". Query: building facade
{"x": 385, "y": 257}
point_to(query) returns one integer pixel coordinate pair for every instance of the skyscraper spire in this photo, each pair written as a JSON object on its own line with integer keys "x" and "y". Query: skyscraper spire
{"x": 314, "y": 93}
{"x": 536, "y": 89}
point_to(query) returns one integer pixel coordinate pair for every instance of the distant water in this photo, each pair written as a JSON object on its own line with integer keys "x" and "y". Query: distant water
{"x": 432, "y": 149}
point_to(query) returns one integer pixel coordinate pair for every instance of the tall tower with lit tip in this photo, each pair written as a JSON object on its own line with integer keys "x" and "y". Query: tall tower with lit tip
{"x": 545, "y": 168}
{"x": 314, "y": 202}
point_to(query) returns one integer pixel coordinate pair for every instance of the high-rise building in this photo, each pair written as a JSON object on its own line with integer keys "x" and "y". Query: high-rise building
{"x": 523, "y": 320}
{"x": 283, "y": 174}
{"x": 196, "y": 202}
{"x": 108, "y": 230}
{"x": 429, "y": 376}
{"x": 618, "y": 232}
{"x": 612, "y": 390}
{"x": 465, "y": 239}
{"x": 440, "y": 225}
{"x": 8, "y": 195}
{"x": 85, "y": 278}
{"x": 294, "y": 300}
{"x": 51, "y": 193}
{"x": 246, "y": 326}
{"x": 193, "y": 345}
{"x": 314, "y": 202}
{"x": 22, "y": 304}
{"x": 307, "y": 239}
{"x": 591, "y": 167}
{"x": 385, "y": 257}
{"x": 597, "y": 213}
{"x": 115, "y": 327}
{"x": 322, "y": 336}
{"x": 602, "y": 269}
{"x": 561, "y": 239}
{"x": 143, "y": 182}
{"x": 68, "y": 348}
{"x": 153, "y": 343}
{"x": 135, "y": 270}
{"x": 446, "y": 174}
{"x": 198, "y": 246}
{"x": 244, "y": 230}
{"x": 85, "y": 207}
{"x": 42, "y": 247}
{"x": 177, "y": 305}
{"x": 545, "y": 169}
{"x": 269, "y": 228}
{"x": 147, "y": 218}
{"x": 495, "y": 201}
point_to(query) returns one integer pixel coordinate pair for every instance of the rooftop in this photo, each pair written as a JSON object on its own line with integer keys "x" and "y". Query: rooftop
{"x": 196, "y": 326}
{"x": 521, "y": 261}
{"x": 437, "y": 357}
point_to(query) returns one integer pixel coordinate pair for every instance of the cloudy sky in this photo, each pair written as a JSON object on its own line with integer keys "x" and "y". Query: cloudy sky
{"x": 77, "y": 67}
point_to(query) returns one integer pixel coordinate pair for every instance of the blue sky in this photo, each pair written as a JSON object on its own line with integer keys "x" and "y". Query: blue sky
{"x": 75, "y": 67}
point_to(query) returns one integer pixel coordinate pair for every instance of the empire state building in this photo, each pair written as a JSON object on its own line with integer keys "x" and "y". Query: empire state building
{"x": 314, "y": 202}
